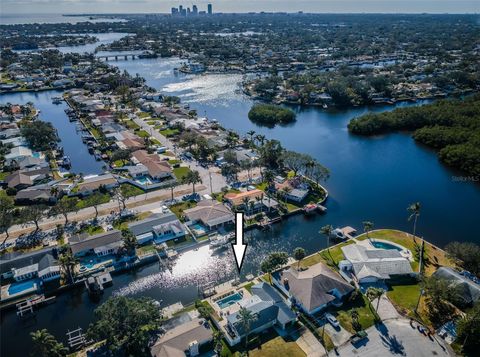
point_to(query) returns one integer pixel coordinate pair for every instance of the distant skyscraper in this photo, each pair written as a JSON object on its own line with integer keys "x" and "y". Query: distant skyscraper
{"x": 188, "y": 11}
{"x": 195, "y": 10}
{"x": 210, "y": 10}
{"x": 174, "y": 11}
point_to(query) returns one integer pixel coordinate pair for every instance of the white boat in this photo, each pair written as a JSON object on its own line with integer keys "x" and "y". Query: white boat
{"x": 220, "y": 241}
{"x": 338, "y": 233}
{"x": 321, "y": 208}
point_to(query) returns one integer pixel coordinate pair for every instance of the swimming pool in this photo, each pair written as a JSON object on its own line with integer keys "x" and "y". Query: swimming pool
{"x": 16, "y": 288}
{"x": 144, "y": 180}
{"x": 198, "y": 228}
{"x": 385, "y": 245}
{"x": 229, "y": 300}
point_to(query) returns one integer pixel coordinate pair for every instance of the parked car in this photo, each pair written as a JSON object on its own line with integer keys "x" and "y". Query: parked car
{"x": 332, "y": 320}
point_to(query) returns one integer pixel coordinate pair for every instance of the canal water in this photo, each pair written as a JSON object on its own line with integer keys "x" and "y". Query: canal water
{"x": 371, "y": 179}
{"x": 70, "y": 139}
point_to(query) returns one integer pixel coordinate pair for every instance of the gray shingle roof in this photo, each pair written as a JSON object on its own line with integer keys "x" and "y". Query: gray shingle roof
{"x": 313, "y": 287}
{"x": 148, "y": 224}
{"x": 42, "y": 257}
{"x": 80, "y": 244}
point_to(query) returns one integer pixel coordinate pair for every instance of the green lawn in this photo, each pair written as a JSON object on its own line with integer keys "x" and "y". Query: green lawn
{"x": 179, "y": 242}
{"x": 3, "y": 175}
{"x": 331, "y": 257}
{"x": 365, "y": 311}
{"x": 144, "y": 249}
{"x": 277, "y": 347}
{"x": 405, "y": 298}
{"x": 83, "y": 202}
{"x": 143, "y": 115}
{"x": 169, "y": 132}
{"x": 143, "y": 134}
{"x": 130, "y": 190}
{"x": 180, "y": 172}
{"x": 131, "y": 124}
{"x": 180, "y": 207}
{"x": 174, "y": 162}
{"x": 92, "y": 230}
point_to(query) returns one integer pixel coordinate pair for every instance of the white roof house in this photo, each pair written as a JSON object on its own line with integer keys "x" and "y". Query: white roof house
{"x": 372, "y": 264}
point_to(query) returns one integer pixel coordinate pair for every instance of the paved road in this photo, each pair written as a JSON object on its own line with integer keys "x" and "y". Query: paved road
{"x": 395, "y": 338}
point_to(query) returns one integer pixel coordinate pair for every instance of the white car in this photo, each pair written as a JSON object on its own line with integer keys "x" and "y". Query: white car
{"x": 332, "y": 320}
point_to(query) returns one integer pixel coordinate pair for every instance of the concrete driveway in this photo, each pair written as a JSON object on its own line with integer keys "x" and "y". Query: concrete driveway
{"x": 386, "y": 310}
{"x": 395, "y": 338}
{"x": 339, "y": 336}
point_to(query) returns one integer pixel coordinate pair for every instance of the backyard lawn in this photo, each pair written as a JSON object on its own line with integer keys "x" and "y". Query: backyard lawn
{"x": 169, "y": 132}
{"x": 277, "y": 347}
{"x": 331, "y": 259}
{"x": 405, "y": 298}
{"x": 143, "y": 134}
{"x": 180, "y": 172}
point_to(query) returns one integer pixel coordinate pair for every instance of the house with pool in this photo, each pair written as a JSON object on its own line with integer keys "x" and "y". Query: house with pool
{"x": 28, "y": 273}
{"x": 99, "y": 245}
{"x": 376, "y": 261}
{"x": 208, "y": 216}
{"x": 270, "y": 309}
{"x": 314, "y": 288}
{"x": 159, "y": 228}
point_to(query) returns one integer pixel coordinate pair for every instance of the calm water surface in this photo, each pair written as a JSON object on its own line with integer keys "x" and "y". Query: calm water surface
{"x": 371, "y": 179}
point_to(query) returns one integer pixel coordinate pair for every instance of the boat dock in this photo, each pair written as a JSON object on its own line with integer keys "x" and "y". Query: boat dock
{"x": 25, "y": 307}
{"x": 171, "y": 310}
{"x": 349, "y": 232}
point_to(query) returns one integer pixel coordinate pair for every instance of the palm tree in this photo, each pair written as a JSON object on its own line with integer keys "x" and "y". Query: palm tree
{"x": 246, "y": 318}
{"x": 327, "y": 231}
{"x": 299, "y": 254}
{"x": 217, "y": 341}
{"x": 45, "y": 345}
{"x": 68, "y": 262}
{"x": 414, "y": 210}
{"x": 245, "y": 202}
{"x": 260, "y": 139}
{"x": 367, "y": 227}
{"x": 172, "y": 186}
{"x": 355, "y": 317}
{"x": 251, "y": 133}
{"x": 309, "y": 166}
{"x": 285, "y": 191}
{"x": 193, "y": 177}
{"x": 374, "y": 293}
{"x": 129, "y": 241}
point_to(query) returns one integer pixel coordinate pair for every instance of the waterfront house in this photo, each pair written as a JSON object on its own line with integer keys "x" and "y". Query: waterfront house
{"x": 211, "y": 214}
{"x": 90, "y": 184}
{"x": 159, "y": 227}
{"x": 185, "y": 339}
{"x": 237, "y": 200}
{"x": 157, "y": 168}
{"x": 40, "y": 264}
{"x": 268, "y": 307}
{"x": 100, "y": 244}
{"x": 17, "y": 153}
{"x": 314, "y": 288}
{"x": 32, "y": 162}
{"x": 466, "y": 284}
{"x": 136, "y": 171}
{"x": 371, "y": 265}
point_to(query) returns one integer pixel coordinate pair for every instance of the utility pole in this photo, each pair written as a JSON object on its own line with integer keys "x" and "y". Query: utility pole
{"x": 211, "y": 187}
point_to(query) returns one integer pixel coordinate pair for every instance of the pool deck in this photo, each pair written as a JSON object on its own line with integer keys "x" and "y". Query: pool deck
{"x": 228, "y": 310}
{"x": 406, "y": 253}
{"x": 5, "y": 295}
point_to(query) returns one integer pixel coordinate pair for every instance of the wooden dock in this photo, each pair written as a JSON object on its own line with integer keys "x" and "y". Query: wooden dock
{"x": 26, "y": 307}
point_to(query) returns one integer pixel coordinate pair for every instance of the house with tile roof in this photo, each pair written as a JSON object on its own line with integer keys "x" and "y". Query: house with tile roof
{"x": 210, "y": 213}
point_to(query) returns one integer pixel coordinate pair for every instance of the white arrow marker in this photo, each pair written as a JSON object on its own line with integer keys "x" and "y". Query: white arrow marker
{"x": 239, "y": 247}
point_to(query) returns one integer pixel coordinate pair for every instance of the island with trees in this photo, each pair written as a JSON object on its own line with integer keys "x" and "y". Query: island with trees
{"x": 452, "y": 127}
{"x": 270, "y": 114}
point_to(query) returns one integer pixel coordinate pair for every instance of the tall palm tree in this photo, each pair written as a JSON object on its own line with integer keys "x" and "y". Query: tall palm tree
{"x": 192, "y": 177}
{"x": 309, "y": 165}
{"x": 327, "y": 231}
{"x": 246, "y": 318}
{"x": 245, "y": 202}
{"x": 261, "y": 139}
{"x": 68, "y": 262}
{"x": 251, "y": 133}
{"x": 414, "y": 210}
{"x": 129, "y": 241}
{"x": 374, "y": 293}
{"x": 299, "y": 254}
{"x": 367, "y": 227}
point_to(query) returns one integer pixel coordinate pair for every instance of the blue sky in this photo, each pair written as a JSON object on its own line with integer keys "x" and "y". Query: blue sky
{"x": 149, "y": 6}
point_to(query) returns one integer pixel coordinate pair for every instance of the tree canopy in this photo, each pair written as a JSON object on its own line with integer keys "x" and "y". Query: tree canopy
{"x": 270, "y": 114}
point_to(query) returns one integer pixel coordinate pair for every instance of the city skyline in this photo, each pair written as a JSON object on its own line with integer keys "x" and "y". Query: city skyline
{"x": 227, "y": 6}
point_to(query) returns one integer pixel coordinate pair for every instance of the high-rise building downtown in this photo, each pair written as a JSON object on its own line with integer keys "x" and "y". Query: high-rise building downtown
{"x": 195, "y": 10}
{"x": 210, "y": 9}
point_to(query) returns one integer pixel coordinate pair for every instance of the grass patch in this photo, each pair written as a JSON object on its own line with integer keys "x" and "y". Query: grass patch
{"x": 143, "y": 134}
{"x": 131, "y": 124}
{"x": 331, "y": 259}
{"x": 143, "y": 115}
{"x": 180, "y": 172}
{"x": 92, "y": 230}
{"x": 366, "y": 313}
{"x": 119, "y": 163}
{"x": 178, "y": 208}
{"x": 179, "y": 242}
{"x": 130, "y": 190}
{"x": 277, "y": 347}
{"x": 169, "y": 132}
{"x": 83, "y": 203}
{"x": 145, "y": 249}
{"x": 174, "y": 162}
{"x": 248, "y": 286}
{"x": 405, "y": 298}
{"x": 3, "y": 175}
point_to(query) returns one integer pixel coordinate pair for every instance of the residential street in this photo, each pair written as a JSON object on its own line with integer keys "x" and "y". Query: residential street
{"x": 395, "y": 338}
